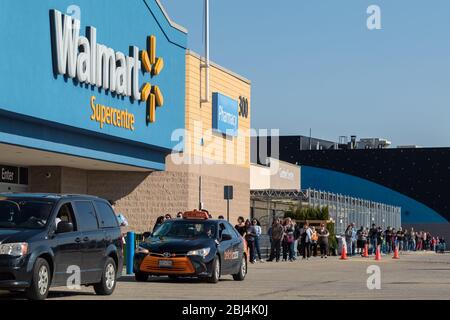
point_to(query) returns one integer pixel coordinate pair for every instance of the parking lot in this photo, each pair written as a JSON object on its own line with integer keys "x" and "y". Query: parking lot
{"x": 414, "y": 276}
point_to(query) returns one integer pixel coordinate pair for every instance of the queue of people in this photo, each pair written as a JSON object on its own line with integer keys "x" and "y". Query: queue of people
{"x": 389, "y": 239}
{"x": 296, "y": 241}
{"x": 289, "y": 241}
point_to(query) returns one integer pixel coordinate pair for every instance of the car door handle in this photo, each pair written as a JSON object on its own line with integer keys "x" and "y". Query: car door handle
{"x": 86, "y": 239}
{"x": 77, "y": 240}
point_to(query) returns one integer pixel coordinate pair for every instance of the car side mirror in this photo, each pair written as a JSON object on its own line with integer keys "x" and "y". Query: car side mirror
{"x": 225, "y": 237}
{"x": 64, "y": 227}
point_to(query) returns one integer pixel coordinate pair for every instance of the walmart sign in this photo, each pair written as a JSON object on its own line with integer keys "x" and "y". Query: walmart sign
{"x": 225, "y": 115}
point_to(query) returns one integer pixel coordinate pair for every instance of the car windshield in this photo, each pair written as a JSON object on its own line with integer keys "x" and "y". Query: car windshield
{"x": 186, "y": 229}
{"x": 24, "y": 213}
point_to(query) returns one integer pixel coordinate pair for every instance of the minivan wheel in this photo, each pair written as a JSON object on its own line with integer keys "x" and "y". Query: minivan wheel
{"x": 215, "y": 274}
{"x": 108, "y": 283}
{"x": 40, "y": 281}
{"x": 240, "y": 276}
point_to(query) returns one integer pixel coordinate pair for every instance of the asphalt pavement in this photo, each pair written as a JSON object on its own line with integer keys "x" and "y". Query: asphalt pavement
{"x": 413, "y": 276}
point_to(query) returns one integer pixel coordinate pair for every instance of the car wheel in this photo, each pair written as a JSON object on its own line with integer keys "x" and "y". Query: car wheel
{"x": 40, "y": 281}
{"x": 240, "y": 276}
{"x": 108, "y": 282}
{"x": 141, "y": 277}
{"x": 215, "y": 276}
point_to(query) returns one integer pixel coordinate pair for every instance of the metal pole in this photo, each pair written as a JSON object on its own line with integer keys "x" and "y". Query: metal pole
{"x": 228, "y": 210}
{"x": 207, "y": 61}
{"x": 130, "y": 251}
{"x": 200, "y": 200}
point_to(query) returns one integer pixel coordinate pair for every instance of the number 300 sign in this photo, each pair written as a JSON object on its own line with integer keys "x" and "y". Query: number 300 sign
{"x": 243, "y": 107}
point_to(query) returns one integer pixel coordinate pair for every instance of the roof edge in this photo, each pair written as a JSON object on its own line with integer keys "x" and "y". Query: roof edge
{"x": 172, "y": 23}
{"x": 215, "y": 65}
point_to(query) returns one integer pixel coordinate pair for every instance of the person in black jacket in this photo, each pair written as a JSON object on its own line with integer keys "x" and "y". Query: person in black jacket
{"x": 323, "y": 234}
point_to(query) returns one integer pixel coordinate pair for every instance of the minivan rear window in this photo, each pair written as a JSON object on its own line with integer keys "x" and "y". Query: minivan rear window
{"x": 24, "y": 213}
{"x": 106, "y": 215}
{"x": 86, "y": 217}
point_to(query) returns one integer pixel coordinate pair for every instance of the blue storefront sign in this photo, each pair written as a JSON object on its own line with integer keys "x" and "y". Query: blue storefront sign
{"x": 225, "y": 115}
{"x": 101, "y": 79}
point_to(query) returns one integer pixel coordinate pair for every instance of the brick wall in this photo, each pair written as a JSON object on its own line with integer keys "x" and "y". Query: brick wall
{"x": 45, "y": 179}
{"x": 143, "y": 196}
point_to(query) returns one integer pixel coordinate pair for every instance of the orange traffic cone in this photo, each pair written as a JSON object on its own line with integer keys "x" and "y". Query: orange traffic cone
{"x": 366, "y": 251}
{"x": 378, "y": 254}
{"x": 396, "y": 256}
{"x": 344, "y": 253}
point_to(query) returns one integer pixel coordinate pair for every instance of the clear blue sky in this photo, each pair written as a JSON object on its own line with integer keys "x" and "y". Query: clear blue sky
{"x": 314, "y": 64}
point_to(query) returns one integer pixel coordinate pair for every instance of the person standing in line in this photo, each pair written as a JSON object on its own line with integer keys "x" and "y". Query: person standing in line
{"x": 373, "y": 238}
{"x": 269, "y": 232}
{"x": 307, "y": 234}
{"x": 406, "y": 240}
{"x": 297, "y": 239}
{"x": 159, "y": 221}
{"x": 314, "y": 239}
{"x": 323, "y": 240}
{"x": 258, "y": 232}
{"x": 361, "y": 241}
{"x": 288, "y": 240}
{"x": 380, "y": 236}
{"x": 301, "y": 241}
{"x": 250, "y": 235}
{"x": 412, "y": 237}
{"x": 388, "y": 238}
{"x": 394, "y": 239}
{"x": 399, "y": 238}
{"x": 277, "y": 236}
{"x": 348, "y": 239}
{"x": 419, "y": 244}
{"x": 240, "y": 227}
{"x": 354, "y": 238}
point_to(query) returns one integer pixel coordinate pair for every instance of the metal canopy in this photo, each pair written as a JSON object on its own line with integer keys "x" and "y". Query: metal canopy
{"x": 274, "y": 194}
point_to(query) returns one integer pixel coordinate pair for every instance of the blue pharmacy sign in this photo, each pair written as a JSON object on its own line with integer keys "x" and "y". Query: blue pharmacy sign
{"x": 225, "y": 117}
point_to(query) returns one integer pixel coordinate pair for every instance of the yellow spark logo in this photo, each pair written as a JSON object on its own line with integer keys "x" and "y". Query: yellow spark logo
{"x": 153, "y": 65}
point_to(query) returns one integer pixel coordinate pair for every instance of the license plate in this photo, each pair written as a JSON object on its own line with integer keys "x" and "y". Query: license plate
{"x": 165, "y": 263}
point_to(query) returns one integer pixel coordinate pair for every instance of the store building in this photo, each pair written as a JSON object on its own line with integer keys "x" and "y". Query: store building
{"x": 95, "y": 98}
{"x": 277, "y": 187}
{"x": 414, "y": 179}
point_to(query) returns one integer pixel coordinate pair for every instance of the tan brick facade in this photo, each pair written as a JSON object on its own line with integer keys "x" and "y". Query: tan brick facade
{"x": 142, "y": 197}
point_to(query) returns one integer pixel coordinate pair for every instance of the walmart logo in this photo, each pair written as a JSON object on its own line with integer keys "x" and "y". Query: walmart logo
{"x": 153, "y": 65}
{"x": 82, "y": 58}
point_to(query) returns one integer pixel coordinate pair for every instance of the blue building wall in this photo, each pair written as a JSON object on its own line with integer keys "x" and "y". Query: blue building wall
{"x": 41, "y": 110}
{"x": 337, "y": 182}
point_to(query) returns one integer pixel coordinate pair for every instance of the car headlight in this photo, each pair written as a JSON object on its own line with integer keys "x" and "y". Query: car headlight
{"x": 142, "y": 250}
{"x": 200, "y": 252}
{"x": 14, "y": 249}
